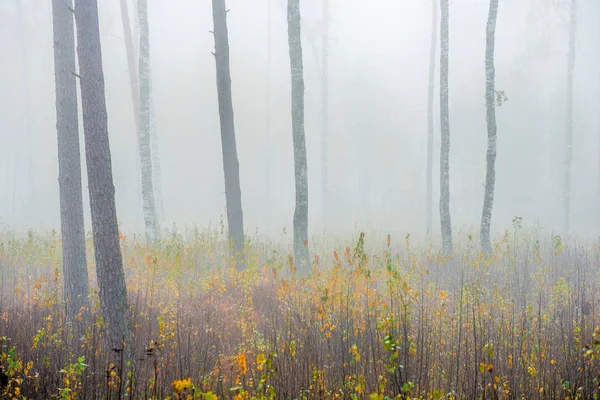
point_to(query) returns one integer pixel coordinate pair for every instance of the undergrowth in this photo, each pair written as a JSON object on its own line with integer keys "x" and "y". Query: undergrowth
{"x": 390, "y": 321}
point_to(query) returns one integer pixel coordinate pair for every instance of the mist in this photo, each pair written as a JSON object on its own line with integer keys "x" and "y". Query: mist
{"x": 378, "y": 77}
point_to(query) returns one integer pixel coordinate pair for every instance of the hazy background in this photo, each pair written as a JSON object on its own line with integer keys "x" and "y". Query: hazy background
{"x": 379, "y": 56}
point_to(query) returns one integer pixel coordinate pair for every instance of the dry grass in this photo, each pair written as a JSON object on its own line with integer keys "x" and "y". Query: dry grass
{"x": 389, "y": 322}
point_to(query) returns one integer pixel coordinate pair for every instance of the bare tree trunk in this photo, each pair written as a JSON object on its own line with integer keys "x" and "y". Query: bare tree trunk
{"x": 490, "y": 102}
{"x": 132, "y": 67}
{"x": 301, "y": 254}
{"x": 149, "y": 203}
{"x": 69, "y": 160}
{"x": 569, "y": 122}
{"x": 107, "y": 249}
{"x": 325, "y": 114}
{"x": 446, "y": 221}
{"x": 430, "y": 123}
{"x": 231, "y": 167}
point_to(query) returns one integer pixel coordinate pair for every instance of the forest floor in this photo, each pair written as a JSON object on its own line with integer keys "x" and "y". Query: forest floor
{"x": 383, "y": 321}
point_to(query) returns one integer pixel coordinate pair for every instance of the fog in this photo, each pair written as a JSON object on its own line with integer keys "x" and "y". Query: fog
{"x": 378, "y": 73}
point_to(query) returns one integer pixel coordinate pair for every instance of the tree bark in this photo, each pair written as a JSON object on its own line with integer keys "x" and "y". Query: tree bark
{"x": 325, "y": 114}
{"x": 569, "y": 121}
{"x": 490, "y": 102}
{"x": 301, "y": 254}
{"x": 69, "y": 160}
{"x": 430, "y": 123}
{"x": 145, "y": 149}
{"x": 231, "y": 168}
{"x": 445, "y": 219}
{"x": 107, "y": 250}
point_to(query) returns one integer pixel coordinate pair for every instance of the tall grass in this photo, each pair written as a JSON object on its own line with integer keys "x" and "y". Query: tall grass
{"x": 372, "y": 321}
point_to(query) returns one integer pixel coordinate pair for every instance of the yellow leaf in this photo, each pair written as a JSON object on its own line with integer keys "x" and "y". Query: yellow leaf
{"x": 293, "y": 348}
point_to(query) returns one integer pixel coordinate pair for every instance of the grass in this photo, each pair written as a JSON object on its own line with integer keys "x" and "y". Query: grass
{"x": 374, "y": 320}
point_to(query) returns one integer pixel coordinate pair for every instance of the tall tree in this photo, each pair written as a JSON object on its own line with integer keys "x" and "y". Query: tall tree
{"x": 325, "y": 113}
{"x": 149, "y": 203}
{"x": 569, "y": 120}
{"x": 430, "y": 123}
{"x": 445, "y": 219}
{"x": 490, "y": 103}
{"x": 69, "y": 160}
{"x": 131, "y": 50}
{"x": 231, "y": 167}
{"x": 301, "y": 254}
{"x": 107, "y": 249}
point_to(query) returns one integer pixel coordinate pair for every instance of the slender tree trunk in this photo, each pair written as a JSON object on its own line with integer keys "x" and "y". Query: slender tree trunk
{"x": 490, "y": 102}
{"x": 325, "y": 114}
{"x": 69, "y": 160}
{"x": 231, "y": 167}
{"x": 430, "y": 123}
{"x": 107, "y": 249}
{"x": 149, "y": 203}
{"x": 301, "y": 254}
{"x": 569, "y": 123}
{"x": 132, "y": 67}
{"x": 446, "y": 221}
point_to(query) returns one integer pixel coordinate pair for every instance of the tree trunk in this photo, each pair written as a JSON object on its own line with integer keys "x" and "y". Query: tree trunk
{"x": 231, "y": 167}
{"x": 149, "y": 203}
{"x": 301, "y": 255}
{"x": 445, "y": 219}
{"x": 569, "y": 122}
{"x": 430, "y": 126}
{"x": 132, "y": 67}
{"x": 107, "y": 250}
{"x": 325, "y": 114}
{"x": 490, "y": 103}
{"x": 69, "y": 160}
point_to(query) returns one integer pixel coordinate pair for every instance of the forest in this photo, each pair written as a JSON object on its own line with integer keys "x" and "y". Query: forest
{"x": 300, "y": 199}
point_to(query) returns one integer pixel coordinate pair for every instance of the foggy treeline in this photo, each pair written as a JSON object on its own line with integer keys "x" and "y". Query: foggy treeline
{"x": 377, "y": 68}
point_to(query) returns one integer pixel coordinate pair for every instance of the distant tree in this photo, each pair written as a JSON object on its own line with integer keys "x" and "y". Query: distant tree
{"x": 301, "y": 254}
{"x": 133, "y": 69}
{"x": 445, "y": 219}
{"x": 490, "y": 102}
{"x": 569, "y": 120}
{"x": 325, "y": 113}
{"x": 145, "y": 148}
{"x": 107, "y": 250}
{"x": 69, "y": 160}
{"x": 430, "y": 123}
{"x": 231, "y": 167}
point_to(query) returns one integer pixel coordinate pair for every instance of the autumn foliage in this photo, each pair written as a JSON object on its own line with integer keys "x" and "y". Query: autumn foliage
{"x": 380, "y": 319}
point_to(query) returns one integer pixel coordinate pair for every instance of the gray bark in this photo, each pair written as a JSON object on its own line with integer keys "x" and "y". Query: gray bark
{"x": 430, "y": 123}
{"x": 490, "y": 102}
{"x": 69, "y": 160}
{"x": 301, "y": 254}
{"x": 325, "y": 114}
{"x": 145, "y": 149}
{"x": 569, "y": 120}
{"x": 445, "y": 219}
{"x": 231, "y": 167}
{"x": 107, "y": 250}
{"x": 132, "y": 67}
